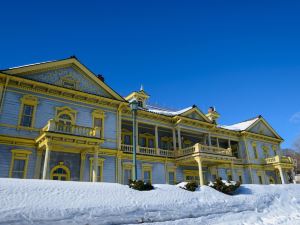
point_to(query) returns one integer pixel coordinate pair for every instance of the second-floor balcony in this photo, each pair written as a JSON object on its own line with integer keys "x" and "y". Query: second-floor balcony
{"x": 279, "y": 159}
{"x": 70, "y": 129}
{"x": 198, "y": 149}
{"x": 148, "y": 151}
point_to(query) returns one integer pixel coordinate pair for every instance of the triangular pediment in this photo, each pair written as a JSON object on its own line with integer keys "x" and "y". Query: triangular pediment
{"x": 68, "y": 73}
{"x": 195, "y": 113}
{"x": 262, "y": 127}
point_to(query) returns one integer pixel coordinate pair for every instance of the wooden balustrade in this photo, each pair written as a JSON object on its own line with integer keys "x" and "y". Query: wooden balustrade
{"x": 279, "y": 159}
{"x": 198, "y": 148}
{"x": 58, "y": 127}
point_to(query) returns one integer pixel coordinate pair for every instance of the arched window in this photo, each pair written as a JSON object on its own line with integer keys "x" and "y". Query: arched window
{"x": 60, "y": 172}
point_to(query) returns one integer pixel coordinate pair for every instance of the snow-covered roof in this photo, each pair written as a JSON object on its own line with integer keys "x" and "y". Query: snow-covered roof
{"x": 166, "y": 112}
{"x": 240, "y": 126}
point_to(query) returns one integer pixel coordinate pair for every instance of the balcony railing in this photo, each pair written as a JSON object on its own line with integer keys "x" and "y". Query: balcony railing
{"x": 59, "y": 127}
{"x": 279, "y": 159}
{"x": 148, "y": 151}
{"x": 198, "y": 148}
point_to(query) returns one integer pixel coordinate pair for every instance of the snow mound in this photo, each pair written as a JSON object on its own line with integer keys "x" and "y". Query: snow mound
{"x": 55, "y": 202}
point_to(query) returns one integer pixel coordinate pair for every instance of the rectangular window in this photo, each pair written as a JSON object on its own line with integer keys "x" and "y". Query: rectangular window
{"x": 214, "y": 141}
{"x": 142, "y": 142}
{"x": 241, "y": 179}
{"x": 98, "y": 122}
{"x": 147, "y": 176}
{"x": 260, "y": 180}
{"x": 150, "y": 143}
{"x": 255, "y": 152}
{"x": 171, "y": 176}
{"x": 126, "y": 175}
{"x": 27, "y": 115}
{"x": 19, "y": 163}
{"x": 18, "y": 168}
{"x": 127, "y": 139}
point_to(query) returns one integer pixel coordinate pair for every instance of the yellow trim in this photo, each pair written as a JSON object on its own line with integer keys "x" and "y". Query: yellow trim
{"x": 31, "y": 101}
{"x": 99, "y": 114}
{"x": 147, "y": 137}
{"x": 147, "y": 168}
{"x": 28, "y": 70}
{"x": 62, "y": 166}
{"x": 124, "y": 133}
{"x": 126, "y": 166}
{"x": 19, "y": 155}
{"x": 255, "y": 152}
{"x": 172, "y": 170}
{"x": 66, "y": 110}
{"x": 100, "y": 169}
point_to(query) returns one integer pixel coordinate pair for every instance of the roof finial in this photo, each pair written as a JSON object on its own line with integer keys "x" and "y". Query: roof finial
{"x": 142, "y": 87}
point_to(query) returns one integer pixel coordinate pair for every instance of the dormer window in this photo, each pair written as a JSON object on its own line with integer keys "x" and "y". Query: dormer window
{"x": 140, "y": 103}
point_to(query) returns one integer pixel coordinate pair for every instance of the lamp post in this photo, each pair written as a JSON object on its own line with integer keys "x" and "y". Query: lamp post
{"x": 134, "y": 108}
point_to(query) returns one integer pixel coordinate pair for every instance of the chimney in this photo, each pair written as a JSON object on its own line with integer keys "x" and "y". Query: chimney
{"x": 212, "y": 114}
{"x": 100, "y": 77}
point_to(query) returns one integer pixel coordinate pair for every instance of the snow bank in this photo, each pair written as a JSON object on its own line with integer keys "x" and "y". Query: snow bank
{"x": 55, "y": 202}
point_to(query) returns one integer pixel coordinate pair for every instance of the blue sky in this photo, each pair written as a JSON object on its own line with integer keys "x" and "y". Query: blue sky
{"x": 242, "y": 57}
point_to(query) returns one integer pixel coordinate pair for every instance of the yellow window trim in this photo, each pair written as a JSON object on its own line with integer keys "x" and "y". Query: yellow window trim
{"x": 171, "y": 169}
{"x": 100, "y": 164}
{"x": 126, "y": 166}
{"x": 28, "y": 100}
{"x": 62, "y": 166}
{"x": 148, "y": 137}
{"x": 99, "y": 114}
{"x": 66, "y": 110}
{"x": 147, "y": 168}
{"x": 124, "y": 133}
{"x": 254, "y": 147}
{"x": 19, "y": 155}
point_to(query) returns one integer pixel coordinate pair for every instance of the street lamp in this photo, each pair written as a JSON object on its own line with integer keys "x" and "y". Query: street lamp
{"x": 134, "y": 107}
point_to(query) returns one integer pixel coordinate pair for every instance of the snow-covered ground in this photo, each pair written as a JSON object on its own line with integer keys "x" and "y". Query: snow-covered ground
{"x": 55, "y": 202}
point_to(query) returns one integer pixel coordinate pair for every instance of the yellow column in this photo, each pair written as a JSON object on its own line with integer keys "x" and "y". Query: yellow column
{"x": 38, "y": 163}
{"x": 156, "y": 139}
{"x": 46, "y": 163}
{"x": 82, "y": 165}
{"x": 119, "y": 128}
{"x": 95, "y": 165}
{"x": 281, "y": 174}
{"x": 174, "y": 139}
{"x": 179, "y": 138}
{"x": 199, "y": 161}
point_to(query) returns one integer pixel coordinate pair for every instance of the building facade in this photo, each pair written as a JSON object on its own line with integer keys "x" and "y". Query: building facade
{"x": 60, "y": 121}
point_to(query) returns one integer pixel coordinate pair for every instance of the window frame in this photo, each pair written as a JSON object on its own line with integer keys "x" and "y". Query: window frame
{"x": 64, "y": 167}
{"x": 19, "y": 154}
{"x": 126, "y": 166}
{"x": 100, "y": 169}
{"x": 99, "y": 114}
{"x": 147, "y": 168}
{"x": 29, "y": 100}
{"x": 255, "y": 151}
{"x": 171, "y": 170}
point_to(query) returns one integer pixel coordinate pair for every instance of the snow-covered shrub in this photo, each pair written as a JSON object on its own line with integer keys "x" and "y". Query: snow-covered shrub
{"x": 226, "y": 187}
{"x": 189, "y": 186}
{"x": 140, "y": 185}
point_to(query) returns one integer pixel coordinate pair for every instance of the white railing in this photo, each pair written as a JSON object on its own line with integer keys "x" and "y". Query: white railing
{"x": 198, "y": 148}
{"x": 59, "y": 127}
{"x": 147, "y": 151}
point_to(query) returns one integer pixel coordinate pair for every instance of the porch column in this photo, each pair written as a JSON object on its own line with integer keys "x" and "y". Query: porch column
{"x": 119, "y": 169}
{"x": 199, "y": 161}
{"x": 281, "y": 174}
{"x": 174, "y": 139}
{"x": 293, "y": 175}
{"x": 229, "y": 144}
{"x": 82, "y": 165}
{"x": 38, "y": 164}
{"x": 95, "y": 165}
{"x": 179, "y": 138}
{"x": 218, "y": 143}
{"x": 232, "y": 172}
{"x": 46, "y": 172}
{"x": 119, "y": 128}
{"x": 209, "y": 139}
{"x": 156, "y": 138}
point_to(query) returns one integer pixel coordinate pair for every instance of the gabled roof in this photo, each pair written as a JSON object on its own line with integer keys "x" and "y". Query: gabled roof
{"x": 183, "y": 112}
{"x": 248, "y": 124}
{"x": 241, "y": 126}
{"x": 72, "y": 61}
